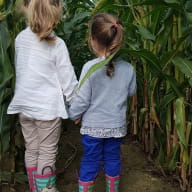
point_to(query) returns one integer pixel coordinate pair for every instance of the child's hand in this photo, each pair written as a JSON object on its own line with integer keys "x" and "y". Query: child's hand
{"x": 77, "y": 121}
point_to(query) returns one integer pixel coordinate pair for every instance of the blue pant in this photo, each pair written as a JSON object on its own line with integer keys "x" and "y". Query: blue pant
{"x": 96, "y": 151}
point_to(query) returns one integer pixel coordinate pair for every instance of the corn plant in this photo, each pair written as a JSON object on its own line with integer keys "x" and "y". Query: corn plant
{"x": 158, "y": 37}
{"x": 73, "y": 29}
{"x": 8, "y": 31}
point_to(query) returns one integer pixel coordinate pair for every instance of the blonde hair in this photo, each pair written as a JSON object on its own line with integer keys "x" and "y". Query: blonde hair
{"x": 26, "y": 3}
{"x": 43, "y": 16}
{"x": 107, "y": 31}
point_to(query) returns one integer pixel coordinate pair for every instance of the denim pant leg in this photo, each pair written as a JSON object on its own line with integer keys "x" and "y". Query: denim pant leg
{"x": 111, "y": 155}
{"x": 92, "y": 157}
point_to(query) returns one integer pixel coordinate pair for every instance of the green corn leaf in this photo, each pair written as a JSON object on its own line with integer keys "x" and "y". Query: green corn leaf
{"x": 74, "y": 22}
{"x": 6, "y": 73}
{"x": 5, "y": 125}
{"x": 171, "y": 1}
{"x": 167, "y": 58}
{"x": 180, "y": 121}
{"x": 189, "y": 17}
{"x": 6, "y": 121}
{"x": 5, "y": 175}
{"x": 19, "y": 177}
{"x": 185, "y": 159}
{"x": 184, "y": 65}
{"x": 190, "y": 82}
{"x": 145, "y": 33}
{"x": 150, "y": 2}
{"x": 142, "y": 113}
{"x": 4, "y": 95}
{"x": 156, "y": 15}
{"x": 99, "y": 5}
{"x": 188, "y": 131}
{"x": 172, "y": 162}
{"x": 161, "y": 157}
{"x": 6, "y": 69}
{"x": 5, "y": 38}
{"x": 174, "y": 85}
{"x": 151, "y": 59}
{"x": 94, "y": 68}
{"x": 188, "y": 6}
{"x": 168, "y": 98}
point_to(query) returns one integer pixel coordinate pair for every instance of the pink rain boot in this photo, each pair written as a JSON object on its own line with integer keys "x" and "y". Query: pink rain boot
{"x": 112, "y": 183}
{"x": 46, "y": 182}
{"x": 31, "y": 171}
{"x": 86, "y": 186}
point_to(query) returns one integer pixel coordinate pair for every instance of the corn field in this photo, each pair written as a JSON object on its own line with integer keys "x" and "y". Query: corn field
{"x": 158, "y": 42}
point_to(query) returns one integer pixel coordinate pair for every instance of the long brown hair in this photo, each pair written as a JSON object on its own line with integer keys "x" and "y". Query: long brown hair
{"x": 43, "y": 16}
{"x": 107, "y": 31}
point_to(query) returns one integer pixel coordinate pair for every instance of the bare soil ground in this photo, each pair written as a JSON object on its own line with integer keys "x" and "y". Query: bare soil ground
{"x": 137, "y": 174}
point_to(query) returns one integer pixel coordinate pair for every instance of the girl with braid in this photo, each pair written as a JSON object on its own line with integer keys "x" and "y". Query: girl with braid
{"x": 102, "y": 103}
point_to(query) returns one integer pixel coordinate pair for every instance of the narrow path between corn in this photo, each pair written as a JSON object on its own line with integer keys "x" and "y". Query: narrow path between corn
{"x": 138, "y": 175}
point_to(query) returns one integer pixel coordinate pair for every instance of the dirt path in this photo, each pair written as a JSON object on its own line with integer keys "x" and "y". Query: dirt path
{"x": 137, "y": 174}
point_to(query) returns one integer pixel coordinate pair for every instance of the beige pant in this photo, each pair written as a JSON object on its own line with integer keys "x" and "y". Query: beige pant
{"x": 41, "y": 139}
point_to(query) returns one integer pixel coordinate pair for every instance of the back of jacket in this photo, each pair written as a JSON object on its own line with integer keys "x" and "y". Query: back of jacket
{"x": 44, "y": 75}
{"x": 102, "y": 100}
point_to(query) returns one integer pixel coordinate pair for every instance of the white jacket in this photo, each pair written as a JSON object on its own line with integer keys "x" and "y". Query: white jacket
{"x": 45, "y": 78}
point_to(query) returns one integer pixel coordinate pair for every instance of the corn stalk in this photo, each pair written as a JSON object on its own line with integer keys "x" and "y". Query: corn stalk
{"x": 9, "y": 27}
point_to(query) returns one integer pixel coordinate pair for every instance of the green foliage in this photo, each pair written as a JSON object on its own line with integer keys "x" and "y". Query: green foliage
{"x": 184, "y": 65}
{"x": 156, "y": 32}
{"x": 9, "y": 28}
{"x": 6, "y": 74}
{"x": 74, "y": 29}
{"x": 158, "y": 39}
{"x": 5, "y": 176}
{"x": 180, "y": 121}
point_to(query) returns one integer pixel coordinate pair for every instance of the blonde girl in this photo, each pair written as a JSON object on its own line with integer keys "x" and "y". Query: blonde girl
{"x": 45, "y": 83}
{"x": 102, "y": 104}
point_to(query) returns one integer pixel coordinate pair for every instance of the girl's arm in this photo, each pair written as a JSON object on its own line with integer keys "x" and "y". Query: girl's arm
{"x": 82, "y": 100}
{"x": 133, "y": 85}
{"x": 65, "y": 72}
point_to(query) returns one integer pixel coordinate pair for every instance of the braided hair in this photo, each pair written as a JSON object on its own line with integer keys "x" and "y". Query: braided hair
{"x": 107, "y": 31}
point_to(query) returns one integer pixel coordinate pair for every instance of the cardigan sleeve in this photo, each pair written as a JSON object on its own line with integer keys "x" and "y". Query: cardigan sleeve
{"x": 82, "y": 99}
{"x": 133, "y": 86}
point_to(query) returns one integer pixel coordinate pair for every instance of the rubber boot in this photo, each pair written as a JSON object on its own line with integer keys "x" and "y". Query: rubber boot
{"x": 46, "y": 183}
{"x": 86, "y": 186}
{"x": 112, "y": 183}
{"x": 31, "y": 171}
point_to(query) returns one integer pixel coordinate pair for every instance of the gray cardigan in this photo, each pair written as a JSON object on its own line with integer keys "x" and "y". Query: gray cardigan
{"x": 102, "y": 100}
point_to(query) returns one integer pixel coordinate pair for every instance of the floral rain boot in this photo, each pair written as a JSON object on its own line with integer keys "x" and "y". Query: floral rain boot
{"x": 46, "y": 183}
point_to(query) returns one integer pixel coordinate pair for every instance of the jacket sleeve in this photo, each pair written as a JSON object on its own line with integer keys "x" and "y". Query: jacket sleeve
{"x": 133, "y": 86}
{"x": 82, "y": 99}
{"x": 65, "y": 71}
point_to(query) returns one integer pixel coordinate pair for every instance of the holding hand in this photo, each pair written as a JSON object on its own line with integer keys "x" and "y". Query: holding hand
{"x": 77, "y": 121}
